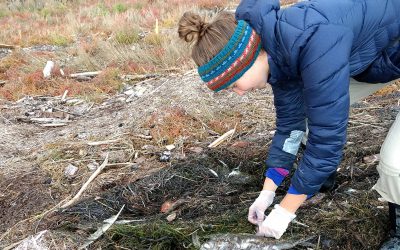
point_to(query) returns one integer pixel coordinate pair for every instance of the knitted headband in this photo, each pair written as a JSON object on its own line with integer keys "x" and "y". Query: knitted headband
{"x": 233, "y": 60}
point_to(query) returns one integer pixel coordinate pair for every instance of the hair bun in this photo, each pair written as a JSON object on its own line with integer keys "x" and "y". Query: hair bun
{"x": 191, "y": 27}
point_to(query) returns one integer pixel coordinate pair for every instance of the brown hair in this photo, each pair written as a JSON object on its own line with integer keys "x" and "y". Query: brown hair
{"x": 208, "y": 38}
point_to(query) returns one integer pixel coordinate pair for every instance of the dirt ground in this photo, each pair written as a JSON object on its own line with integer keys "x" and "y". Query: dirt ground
{"x": 209, "y": 190}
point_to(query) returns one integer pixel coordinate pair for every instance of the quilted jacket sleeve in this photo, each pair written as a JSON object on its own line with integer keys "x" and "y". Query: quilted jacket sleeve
{"x": 324, "y": 67}
{"x": 290, "y": 125}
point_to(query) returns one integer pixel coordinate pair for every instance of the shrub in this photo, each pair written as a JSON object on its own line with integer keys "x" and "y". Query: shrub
{"x": 120, "y": 8}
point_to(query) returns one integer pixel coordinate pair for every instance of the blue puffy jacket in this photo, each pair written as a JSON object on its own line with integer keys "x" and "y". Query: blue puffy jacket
{"x": 314, "y": 48}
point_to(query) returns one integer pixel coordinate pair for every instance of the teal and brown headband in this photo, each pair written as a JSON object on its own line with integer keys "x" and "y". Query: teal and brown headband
{"x": 233, "y": 60}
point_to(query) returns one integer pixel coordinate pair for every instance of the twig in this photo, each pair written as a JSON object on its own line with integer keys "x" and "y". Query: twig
{"x": 139, "y": 77}
{"x": 47, "y": 120}
{"x": 83, "y": 188}
{"x": 222, "y": 138}
{"x": 366, "y": 124}
{"x": 299, "y": 223}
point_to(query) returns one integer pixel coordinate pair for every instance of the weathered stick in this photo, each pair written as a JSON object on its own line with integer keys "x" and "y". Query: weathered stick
{"x": 83, "y": 188}
{"x": 6, "y": 46}
{"x": 97, "y": 143}
{"x": 85, "y": 74}
{"x": 64, "y": 95}
{"x": 53, "y": 125}
{"x": 222, "y": 138}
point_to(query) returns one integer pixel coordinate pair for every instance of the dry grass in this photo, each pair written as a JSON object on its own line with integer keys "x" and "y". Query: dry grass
{"x": 134, "y": 37}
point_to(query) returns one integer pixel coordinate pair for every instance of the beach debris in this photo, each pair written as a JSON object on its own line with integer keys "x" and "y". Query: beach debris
{"x": 101, "y": 230}
{"x": 170, "y": 147}
{"x": 169, "y": 205}
{"x": 70, "y": 171}
{"x": 166, "y": 206}
{"x": 6, "y": 46}
{"x": 371, "y": 159}
{"x": 47, "y": 69}
{"x": 165, "y": 156}
{"x": 222, "y": 138}
{"x": 171, "y": 217}
{"x": 249, "y": 241}
{"x": 85, "y": 76}
{"x": 98, "y": 143}
{"x": 93, "y": 166}
{"x": 213, "y": 172}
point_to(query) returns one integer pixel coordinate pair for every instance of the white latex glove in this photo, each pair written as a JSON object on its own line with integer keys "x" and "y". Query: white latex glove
{"x": 276, "y": 223}
{"x": 257, "y": 209}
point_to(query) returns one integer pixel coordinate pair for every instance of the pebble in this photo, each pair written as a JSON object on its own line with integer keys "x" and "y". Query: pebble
{"x": 70, "y": 171}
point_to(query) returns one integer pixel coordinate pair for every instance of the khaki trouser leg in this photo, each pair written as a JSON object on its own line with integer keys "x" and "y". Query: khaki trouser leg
{"x": 388, "y": 184}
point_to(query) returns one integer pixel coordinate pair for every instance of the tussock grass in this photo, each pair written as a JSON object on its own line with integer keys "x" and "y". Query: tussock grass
{"x": 95, "y": 36}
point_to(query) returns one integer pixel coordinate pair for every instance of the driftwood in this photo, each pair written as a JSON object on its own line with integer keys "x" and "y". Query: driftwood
{"x": 84, "y": 187}
{"x": 85, "y": 74}
{"x": 6, "y": 46}
{"x": 64, "y": 96}
{"x": 222, "y": 138}
{"x": 53, "y": 125}
{"x": 98, "y": 143}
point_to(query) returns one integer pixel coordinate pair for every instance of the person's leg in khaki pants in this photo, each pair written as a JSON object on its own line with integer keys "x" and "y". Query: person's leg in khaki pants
{"x": 388, "y": 184}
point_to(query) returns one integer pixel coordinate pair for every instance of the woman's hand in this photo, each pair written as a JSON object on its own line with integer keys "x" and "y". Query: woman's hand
{"x": 264, "y": 200}
{"x": 257, "y": 209}
{"x": 276, "y": 223}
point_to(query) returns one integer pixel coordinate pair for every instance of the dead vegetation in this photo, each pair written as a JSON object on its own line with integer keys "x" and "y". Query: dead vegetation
{"x": 177, "y": 197}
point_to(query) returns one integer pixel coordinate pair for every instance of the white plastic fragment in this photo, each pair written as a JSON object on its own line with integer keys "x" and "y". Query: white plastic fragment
{"x": 47, "y": 69}
{"x": 170, "y": 147}
{"x": 70, "y": 171}
{"x": 213, "y": 172}
{"x": 102, "y": 229}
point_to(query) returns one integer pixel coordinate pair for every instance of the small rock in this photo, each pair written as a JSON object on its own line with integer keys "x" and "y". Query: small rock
{"x": 166, "y": 206}
{"x": 171, "y": 217}
{"x": 82, "y": 152}
{"x": 70, "y": 171}
{"x": 92, "y": 166}
{"x": 165, "y": 156}
{"x": 47, "y": 181}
